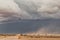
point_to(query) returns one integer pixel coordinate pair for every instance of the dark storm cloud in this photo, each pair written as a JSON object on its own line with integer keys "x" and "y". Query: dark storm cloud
{"x": 37, "y": 26}
{"x": 37, "y": 15}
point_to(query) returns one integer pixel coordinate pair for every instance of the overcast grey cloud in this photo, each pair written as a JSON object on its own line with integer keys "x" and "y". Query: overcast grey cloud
{"x": 30, "y": 9}
{"x": 26, "y": 16}
{"x": 39, "y": 9}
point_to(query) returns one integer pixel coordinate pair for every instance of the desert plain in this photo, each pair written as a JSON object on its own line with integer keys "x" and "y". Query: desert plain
{"x": 28, "y": 37}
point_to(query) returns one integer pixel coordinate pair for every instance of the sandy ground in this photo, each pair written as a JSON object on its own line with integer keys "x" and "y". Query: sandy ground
{"x": 26, "y": 38}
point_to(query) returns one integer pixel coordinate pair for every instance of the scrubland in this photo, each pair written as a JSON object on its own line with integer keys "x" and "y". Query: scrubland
{"x": 28, "y": 37}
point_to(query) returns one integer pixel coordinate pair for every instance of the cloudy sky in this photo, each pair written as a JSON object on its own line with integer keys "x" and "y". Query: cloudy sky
{"x": 30, "y": 9}
{"x": 42, "y": 16}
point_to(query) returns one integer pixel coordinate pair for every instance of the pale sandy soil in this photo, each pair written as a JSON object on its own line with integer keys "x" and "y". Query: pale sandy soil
{"x": 26, "y": 38}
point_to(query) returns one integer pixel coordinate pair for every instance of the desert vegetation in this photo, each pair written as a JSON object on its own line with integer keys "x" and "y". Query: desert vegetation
{"x": 29, "y": 37}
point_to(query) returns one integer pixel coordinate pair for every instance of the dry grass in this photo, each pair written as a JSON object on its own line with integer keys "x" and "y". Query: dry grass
{"x": 28, "y": 37}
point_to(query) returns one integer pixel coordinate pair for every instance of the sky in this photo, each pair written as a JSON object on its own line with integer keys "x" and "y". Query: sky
{"x": 25, "y": 16}
{"x": 40, "y": 9}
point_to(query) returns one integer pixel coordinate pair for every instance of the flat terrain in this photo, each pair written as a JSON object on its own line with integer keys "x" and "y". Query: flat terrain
{"x": 28, "y": 37}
